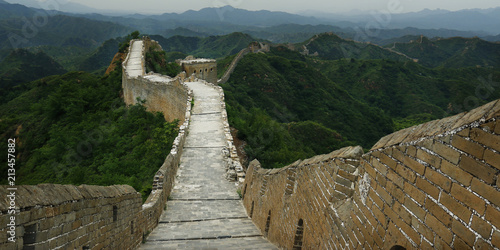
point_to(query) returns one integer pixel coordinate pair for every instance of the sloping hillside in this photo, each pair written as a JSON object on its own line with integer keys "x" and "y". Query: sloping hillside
{"x": 332, "y": 47}
{"x": 451, "y": 52}
{"x": 268, "y": 94}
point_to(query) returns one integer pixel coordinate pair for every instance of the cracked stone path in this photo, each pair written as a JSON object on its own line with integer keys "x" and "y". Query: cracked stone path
{"x": 204, "y": 210}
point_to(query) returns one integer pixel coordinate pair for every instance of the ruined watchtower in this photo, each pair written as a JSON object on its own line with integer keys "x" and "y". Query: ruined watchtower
{"x": 205, "y": 69}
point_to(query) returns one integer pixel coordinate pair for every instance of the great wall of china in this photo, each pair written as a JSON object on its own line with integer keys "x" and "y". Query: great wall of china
{"x": 432, "y": 186}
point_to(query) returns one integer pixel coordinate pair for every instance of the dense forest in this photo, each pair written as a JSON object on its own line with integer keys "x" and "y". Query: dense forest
{"x": 74, "y": 129}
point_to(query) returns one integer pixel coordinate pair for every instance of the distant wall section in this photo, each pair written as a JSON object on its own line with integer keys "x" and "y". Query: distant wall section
{"x": 435, "y": 185}
{"x": 205, "y": 69}
{"x": 160, "y": 93}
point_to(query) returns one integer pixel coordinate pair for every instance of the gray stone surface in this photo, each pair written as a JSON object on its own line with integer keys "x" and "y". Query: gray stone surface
{"x": 204, "y": 210}
{"x": 134, "y": 65}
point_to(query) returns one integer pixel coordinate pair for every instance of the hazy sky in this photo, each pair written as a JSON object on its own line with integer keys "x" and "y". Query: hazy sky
{"x": 162, "y": 6}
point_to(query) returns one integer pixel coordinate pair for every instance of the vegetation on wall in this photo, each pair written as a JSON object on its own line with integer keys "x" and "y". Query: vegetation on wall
{"x": 157, "y": 61}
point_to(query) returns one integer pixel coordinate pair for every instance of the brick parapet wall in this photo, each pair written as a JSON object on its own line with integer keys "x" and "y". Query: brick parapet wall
{"x": 50, "y": 216}
{"x": 435, "y": 185}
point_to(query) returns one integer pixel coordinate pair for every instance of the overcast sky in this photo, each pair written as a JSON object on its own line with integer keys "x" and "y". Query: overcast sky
{"x": 162, "y": 6}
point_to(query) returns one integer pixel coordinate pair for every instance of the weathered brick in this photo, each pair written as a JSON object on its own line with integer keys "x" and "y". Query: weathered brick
{"x": 415, "y": 165}
{"x": 408, "y": 230}
{"x": 489, "y": 126}
{"x": 439, "y": 213}
{"x": 395, "y": 178}
{"x": 347, "y": 175}
{"x": 426, "y": 246}
{"x": 469, "y": 147}
{"x": 398, "y": 155}
{"x": 486, "y": 191}
{"x": 463, "y": 232}
{"x": 480, "y": 226}
{"x": 406, "y": 173}
{"x": 427, "y": 187}
{"x": 482, "y": 245}
{"x": 468, "y": 198}
{"x": 446, "y": 152}
{"x": 438, "y": 179}
{"x": 379, "y": 166}
{"x": 376, "y": 199}
{"x": 456, "y": 173}
{"x": 384, "y": 195}
{"x": 423, "y": 229}
{"x": 388, "y": 161}
{"x": 439, "y": 228}
{"x": 495, "y": 238}
{"x": 464, "y": 132}
{"x": 390, "y": 213}
{"x": 395, "y": 191}
{"x": 415, "y": 193}
{"x": 493, "y": 216}
{"x": 455, "y": 207}
{"x": 458, "y": 243}
{"x": 411, "y": 151}
{"x": 430, "y": 159}
{"x": 415, "y": 208}
{"x": 485, "y": 138}
{"x": 369, "y": 169}
{"x": 382, "y": 181}
{"x": 492, "y": 158}
{"x": 382, "y": 219}
{"x": 401, "y": 211}
{"x": 477, "y": 169}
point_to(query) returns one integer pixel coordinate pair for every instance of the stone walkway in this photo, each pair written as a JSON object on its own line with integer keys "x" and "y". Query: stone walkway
{"x": 134, "y": 65}
{"x": 204, "y": 210}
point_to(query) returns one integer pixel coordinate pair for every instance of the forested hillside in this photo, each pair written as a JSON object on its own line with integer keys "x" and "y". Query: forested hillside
{"x": 271, "y": 97}
{"x": 454, "y": 52}
{"x": 358, "y": 99}
{"x": 75, "y": 129}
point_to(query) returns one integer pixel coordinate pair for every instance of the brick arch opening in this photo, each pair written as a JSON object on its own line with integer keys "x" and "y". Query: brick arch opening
{"x": 299, "y": 234}
{"x": 398, "y": 247}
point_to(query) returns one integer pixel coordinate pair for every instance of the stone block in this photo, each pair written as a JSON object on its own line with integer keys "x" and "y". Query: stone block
{"x": 456, "y": 208}
{"x": 480, "y": 226}
{"x": 427, "y": 187}
{"x": 439, "y": 213}
{"x": 414, "y": 192}
{"x": 492, "y": 158}
{"x": 468, "y": 198}
{"x": 441, "y": 230}
{"x": 438, "y": 179}
{"x": 429, "y": 158}
{"x": 478, "y": 169}
{"x": 485, "y": 138}
{"x": 446, "y": 152}
{"x": 415, "y": 208}
{"x": 406, "y": 173}
{"x": 456, "y": 173}
{"x": 486, "y": 191}
{"x": 463, "y": 232}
